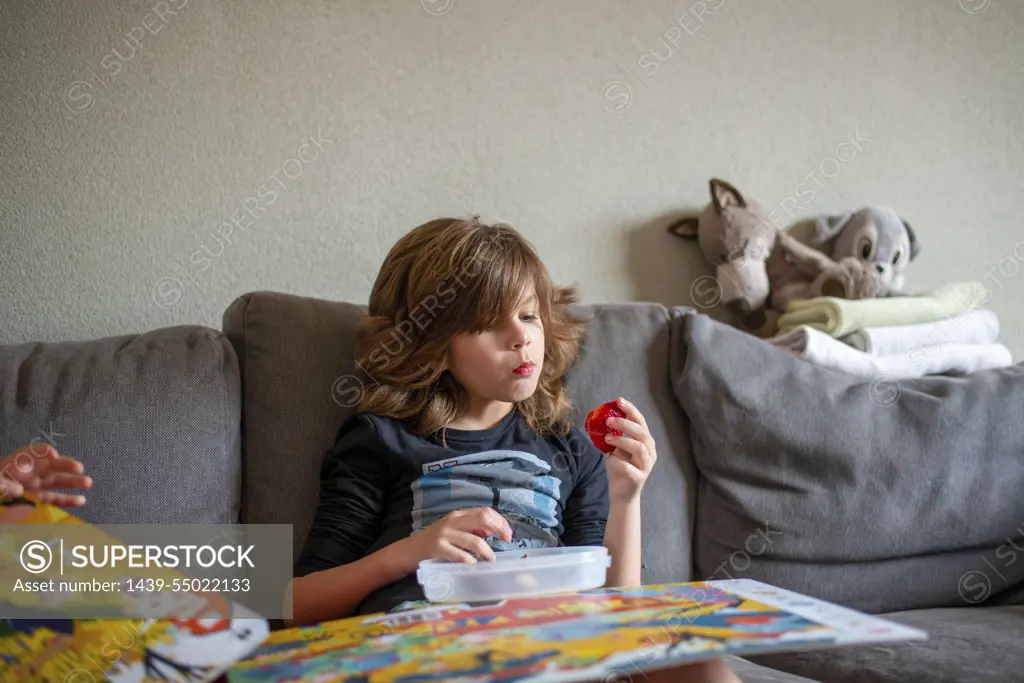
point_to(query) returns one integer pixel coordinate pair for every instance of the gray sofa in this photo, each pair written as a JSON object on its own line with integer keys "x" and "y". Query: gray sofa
{"x": 189, "y": 424}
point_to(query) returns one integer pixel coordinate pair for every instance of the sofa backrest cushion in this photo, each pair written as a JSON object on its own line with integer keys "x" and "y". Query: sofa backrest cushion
{"x": 154, "y": 417}
{"x": 880, "y": 495}
{"x": 300, "y": 383}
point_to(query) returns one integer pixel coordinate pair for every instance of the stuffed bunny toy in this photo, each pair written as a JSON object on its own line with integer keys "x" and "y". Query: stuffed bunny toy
{"x": 735, "y": 235}
{"x": 875, "y": 235}
{"x": 760, "y": 268}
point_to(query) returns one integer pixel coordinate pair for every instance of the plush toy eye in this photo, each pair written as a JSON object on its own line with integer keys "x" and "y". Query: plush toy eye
{"x": 897, "y": 256}
{"x": 865, "y": 249}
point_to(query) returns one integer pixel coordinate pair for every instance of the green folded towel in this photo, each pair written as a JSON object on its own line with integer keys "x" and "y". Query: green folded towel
{"x": 839, "y": 317}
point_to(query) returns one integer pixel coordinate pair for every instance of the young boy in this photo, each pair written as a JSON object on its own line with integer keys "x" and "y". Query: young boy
{"x": 463, "y": 443}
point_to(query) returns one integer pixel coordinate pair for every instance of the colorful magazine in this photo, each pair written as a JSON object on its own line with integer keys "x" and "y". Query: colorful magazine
{"x": 120, "y": 649}
{"x": 566, "y": 637}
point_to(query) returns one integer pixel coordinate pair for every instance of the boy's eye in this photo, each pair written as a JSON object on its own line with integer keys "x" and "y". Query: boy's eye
{"x": 529, "y": 317}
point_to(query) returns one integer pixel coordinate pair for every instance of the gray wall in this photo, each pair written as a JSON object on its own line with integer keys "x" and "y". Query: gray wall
{"x": 130, "y": 136}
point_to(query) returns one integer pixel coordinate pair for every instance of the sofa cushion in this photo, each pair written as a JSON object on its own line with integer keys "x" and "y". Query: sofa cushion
{"x": 964, "y": 644}
{"x": 154, "y": 417}
{"x": 626, "y": 353}
{"x": 877, "y": 495}
{"x": 301, "y": 383}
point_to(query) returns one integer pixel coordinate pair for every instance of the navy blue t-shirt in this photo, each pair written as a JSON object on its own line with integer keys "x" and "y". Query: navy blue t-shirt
{"x": 381, "y": 483}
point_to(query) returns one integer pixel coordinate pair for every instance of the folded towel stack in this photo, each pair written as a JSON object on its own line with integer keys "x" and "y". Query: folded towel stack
{"x": 975, "y": 326}
{"x": 942, "y": 331}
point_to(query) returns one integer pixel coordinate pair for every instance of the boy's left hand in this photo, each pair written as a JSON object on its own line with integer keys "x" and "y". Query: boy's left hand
{"x": 633, "y": 458}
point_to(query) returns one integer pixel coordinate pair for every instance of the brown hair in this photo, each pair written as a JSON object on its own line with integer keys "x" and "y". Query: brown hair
{"x": 453, "y": 275}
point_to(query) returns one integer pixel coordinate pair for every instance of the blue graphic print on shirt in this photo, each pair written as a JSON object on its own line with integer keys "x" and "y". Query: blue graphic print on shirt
{"x": 515, "y": 483}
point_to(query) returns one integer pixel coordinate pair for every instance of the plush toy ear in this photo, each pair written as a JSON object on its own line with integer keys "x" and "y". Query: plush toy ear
{"x": 723, "y": 194}
{"x": 685, "y": 228}
{"x": 915, "y": 246}
{"x": 830, "y": 225}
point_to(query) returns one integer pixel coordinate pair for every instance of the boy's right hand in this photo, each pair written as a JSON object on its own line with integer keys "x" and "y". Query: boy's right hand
{"x": 457, "y": 533}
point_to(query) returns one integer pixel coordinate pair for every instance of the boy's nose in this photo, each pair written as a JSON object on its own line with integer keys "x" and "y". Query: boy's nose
{"x": 522, "y": 338}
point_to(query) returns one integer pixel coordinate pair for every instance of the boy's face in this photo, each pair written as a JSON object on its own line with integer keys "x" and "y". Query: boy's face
{"x": 490, "y": 364}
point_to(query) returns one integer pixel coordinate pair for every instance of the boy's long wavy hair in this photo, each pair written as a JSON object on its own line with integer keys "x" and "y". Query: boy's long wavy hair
{"x": 454, "y": 275}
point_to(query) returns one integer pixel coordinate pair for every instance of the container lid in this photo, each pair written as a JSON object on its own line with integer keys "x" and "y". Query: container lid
{"x": 528, "y": 559}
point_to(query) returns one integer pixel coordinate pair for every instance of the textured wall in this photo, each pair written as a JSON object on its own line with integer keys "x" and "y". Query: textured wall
{"x": 130, "y": 136}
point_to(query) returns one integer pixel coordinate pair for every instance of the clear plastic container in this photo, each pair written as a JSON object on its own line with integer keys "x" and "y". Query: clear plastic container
{"x": 542, "y": 571}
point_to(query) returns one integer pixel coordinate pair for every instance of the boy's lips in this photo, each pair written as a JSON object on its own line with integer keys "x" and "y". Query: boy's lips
{"x": 525, "y": 370}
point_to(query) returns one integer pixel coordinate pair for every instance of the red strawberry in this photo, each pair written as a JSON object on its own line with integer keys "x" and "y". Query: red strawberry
{"x": 596, "y": 426}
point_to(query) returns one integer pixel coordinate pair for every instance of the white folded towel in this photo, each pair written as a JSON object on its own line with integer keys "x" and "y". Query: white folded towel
{"x": 974, "y": 326}
{"x": 822, "y": 349}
